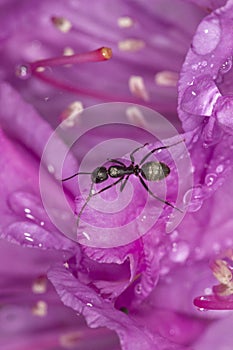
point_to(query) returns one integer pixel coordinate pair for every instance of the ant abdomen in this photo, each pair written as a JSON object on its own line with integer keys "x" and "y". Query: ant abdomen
{"x": 154, "y": 171}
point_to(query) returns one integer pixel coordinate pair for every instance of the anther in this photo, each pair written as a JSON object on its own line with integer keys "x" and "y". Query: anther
{"x": 62, "y": 24}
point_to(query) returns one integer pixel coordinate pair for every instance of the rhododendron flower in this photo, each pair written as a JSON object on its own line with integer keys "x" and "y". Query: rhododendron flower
{"x": 58, "y": 58}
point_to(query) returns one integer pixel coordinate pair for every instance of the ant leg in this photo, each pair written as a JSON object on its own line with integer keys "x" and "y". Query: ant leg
{"x": 137, "y": 149}
{"x": 109, "y": 186}
{"x": 153, "y": 195}
{"x": 124, "y": 183}
{"x": 116, "y": 161}
{"x": 92, "y": 195}
{"x": 157, "y": 149}
{"x": 85, "y": 204}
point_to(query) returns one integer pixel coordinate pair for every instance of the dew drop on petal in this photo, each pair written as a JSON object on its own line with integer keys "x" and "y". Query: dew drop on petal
{"x": 200, "y": 98}
{"x": 207, "y": 36}
{"x": 23, "y": 71}
{"x": 219, "y": 169}
{"x": 51, "y": 168}
{"x": 210, "y": 179}
{"x": 174, "y": 235}
{"x": 27, "y": 233}
{"x": 138, "y": 288}
{"x": 193, "y": 198}
{"x": 179, "y": 252}
{"x": 26, "y": 205}
{"x": 89, "y": 304}
{"x": 202, "y": 309}
{"x": 226, "y": 66}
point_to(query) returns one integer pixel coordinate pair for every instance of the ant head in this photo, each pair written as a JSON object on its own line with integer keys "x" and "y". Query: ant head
{"x": 100, "y": 174}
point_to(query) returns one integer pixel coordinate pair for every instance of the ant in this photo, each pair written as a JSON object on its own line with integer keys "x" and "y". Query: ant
{"x": 150, "y": 171}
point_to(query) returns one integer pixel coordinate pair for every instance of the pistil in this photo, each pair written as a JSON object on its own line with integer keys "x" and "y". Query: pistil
{"x": 101, "y": 54}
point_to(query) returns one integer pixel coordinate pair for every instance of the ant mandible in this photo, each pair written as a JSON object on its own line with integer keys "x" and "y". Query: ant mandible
{"x": 150, "y": 171}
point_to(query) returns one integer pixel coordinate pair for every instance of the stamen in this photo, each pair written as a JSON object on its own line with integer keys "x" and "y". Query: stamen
{"x": 125, "y": 22}
{"x": 221, "y": 271}
{"x": 40, "y": 309}
{"x": 136, "y": 117}
{"x": 137, "y": 87}
{"x": 68, "y": 51}
{"x": 62, "y": 24}
{"x": 40, "y": 285}
{"x": 166, "y": 78}
{"x": 70, "y": 339}
{"x": 131, "y": 45}
{"x": 71, "y": 113}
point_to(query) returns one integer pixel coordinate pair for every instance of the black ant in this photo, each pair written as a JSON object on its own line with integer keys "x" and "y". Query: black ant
{"x": 150, "y": 171}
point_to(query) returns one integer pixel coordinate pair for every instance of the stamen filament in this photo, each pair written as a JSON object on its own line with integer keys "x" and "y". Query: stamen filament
{"x": 102, "y": 54}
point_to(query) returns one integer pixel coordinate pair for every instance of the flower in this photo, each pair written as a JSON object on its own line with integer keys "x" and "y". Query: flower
{"x": 143, "y": 290}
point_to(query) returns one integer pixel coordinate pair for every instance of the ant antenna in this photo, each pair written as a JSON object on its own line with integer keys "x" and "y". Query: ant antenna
{"x": 71, "y": 177}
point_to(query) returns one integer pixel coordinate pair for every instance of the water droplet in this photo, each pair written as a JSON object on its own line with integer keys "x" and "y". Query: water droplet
{"x": 201, "y": 97}
{"x": 23, "y": 71}
{"x": 89, "y": 304}
{"x": 170, "y": 219}
{"x": 210, "y": 179}
{"x": 202, "y": 309}
{"x": 29, "y": 234}
{"x": 226, "y": 66}
{"x": 193, "y": 198}
{"x": 173, "y": 235}
{"x": 138, "y": 288}
{"x": 164, "y": 271}
{"x": 27, "y": 205}
{"x": 219, "y": 169}
{"x": 143, "y": 218}
{"x": 180, "y": 252}
{"x": 208, "y": 291}
{"x": 207, "y": 36}
{"x": 204, "y": 63}
{"x": 51, "y": 168}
